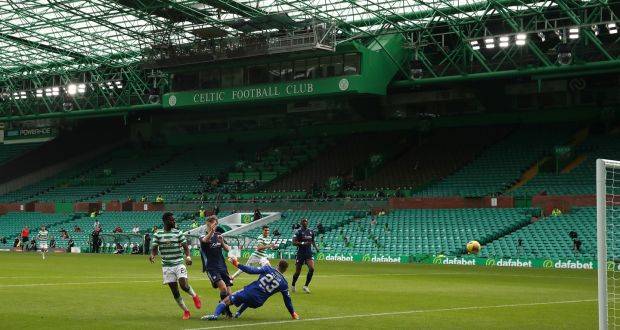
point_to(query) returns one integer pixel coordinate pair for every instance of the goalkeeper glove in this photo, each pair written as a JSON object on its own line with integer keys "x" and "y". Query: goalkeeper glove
{"x": 295, "y": 316}
{"x": 234, "y": 261}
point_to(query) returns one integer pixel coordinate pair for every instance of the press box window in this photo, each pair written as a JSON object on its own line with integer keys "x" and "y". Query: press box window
{"x": 351, "y": 64}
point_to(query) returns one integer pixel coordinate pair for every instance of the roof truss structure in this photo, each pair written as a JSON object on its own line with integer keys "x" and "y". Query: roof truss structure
{"x": 42, "y": 38}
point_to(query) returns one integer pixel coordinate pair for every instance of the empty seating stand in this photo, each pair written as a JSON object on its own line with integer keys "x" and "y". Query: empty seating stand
{"x": 548, "y": 238}
{"x": 11, "y": 151}
{"x": 437, "y": 156}
{"x": 410, "y": 232}
{"x": 581, "y": 179}
{"x": 497, "y": 168}
{"x": 339, "y": 160}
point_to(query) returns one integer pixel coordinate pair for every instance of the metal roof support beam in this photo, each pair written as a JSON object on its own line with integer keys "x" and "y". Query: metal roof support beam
{"x": 235, "y": 7}
{"x": 589, "y": 35}
{"x": 40, "y": 46}
{"x": 596, "y": 67}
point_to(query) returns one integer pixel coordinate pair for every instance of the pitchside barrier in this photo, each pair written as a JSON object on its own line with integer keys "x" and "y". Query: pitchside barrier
{"x": 443, "y": 260}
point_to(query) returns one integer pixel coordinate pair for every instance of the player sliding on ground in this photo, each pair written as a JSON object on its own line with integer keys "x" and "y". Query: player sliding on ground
{"x": 213, "y": 263}
{"x": 264, "y": 243}
{"x": 304, "y": 240}
{"x": 172, "y": 245}
{"x": 254, "y": 295}
{"x": 42, "y": 238}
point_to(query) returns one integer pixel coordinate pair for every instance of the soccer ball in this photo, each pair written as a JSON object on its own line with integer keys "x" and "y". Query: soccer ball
{"x": 473, "y": 247}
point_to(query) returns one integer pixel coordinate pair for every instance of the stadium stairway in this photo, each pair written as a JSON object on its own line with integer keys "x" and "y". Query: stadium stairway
{"x": 579, "y": 178}
{"x": 530, "y": 174}
{"x": 501, "y": 165}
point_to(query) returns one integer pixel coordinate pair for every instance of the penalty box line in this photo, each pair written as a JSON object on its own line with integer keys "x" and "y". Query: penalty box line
{"x": 416, "y": 311}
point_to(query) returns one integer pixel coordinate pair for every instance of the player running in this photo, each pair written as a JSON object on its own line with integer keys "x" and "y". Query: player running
{"x": 264, "y": 243}
{"x": 254, "y": 295}
{"x": 42, "y": 239}
{"x": 303, "y": 239}
{"x": 213, "y": 263}
{"x": 172, "y": 245}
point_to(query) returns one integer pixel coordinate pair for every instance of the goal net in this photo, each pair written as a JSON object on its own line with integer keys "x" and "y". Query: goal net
{"x": 608, "y": 242}
{"x": 238, "y": 226}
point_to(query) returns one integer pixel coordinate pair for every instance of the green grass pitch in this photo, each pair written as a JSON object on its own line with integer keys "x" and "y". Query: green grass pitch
{"x": 125, "y": 292}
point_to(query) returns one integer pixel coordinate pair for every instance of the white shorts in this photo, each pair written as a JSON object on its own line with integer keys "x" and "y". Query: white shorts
{"x": 173, "y": 273}
{"x": 256, "y": 260}
{"x": 253, "y": 260}
{"x": 43, "y": 246}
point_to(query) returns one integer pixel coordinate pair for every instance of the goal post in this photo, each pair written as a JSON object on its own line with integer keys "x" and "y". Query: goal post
{"x": 607, "y": 210}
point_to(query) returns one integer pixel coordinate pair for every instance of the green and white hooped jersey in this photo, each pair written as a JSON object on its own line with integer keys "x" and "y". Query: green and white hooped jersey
{"x": 170, "y": 246}
{"x": 261, "y": 240}
{"x": 43, "y": 236}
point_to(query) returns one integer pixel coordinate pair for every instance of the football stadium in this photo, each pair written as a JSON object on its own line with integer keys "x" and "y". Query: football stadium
{"x": 316, "y": 164}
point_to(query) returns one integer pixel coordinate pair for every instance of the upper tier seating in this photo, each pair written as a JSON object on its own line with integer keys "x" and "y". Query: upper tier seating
{"x": 338, "y": 160}
{"x": 11, "y": 151}
{"x": 581, "y": 179}
{"x": 497, "y": 168}
{"x": 437, "y": 156}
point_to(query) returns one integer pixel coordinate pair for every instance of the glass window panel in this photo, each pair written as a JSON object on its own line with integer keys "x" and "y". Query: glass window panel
{"x": 287, "y": 71}
{"x": 351, "y": 64}
{"x": 336, "y": 65}
{"x": 323, "y": 64}
{"x": 300, "y": 70}
{"x": 210, "y": 78}
{"x": 312, "y": 69}
{"x": 275, "y": 73}
{"x": 257, "y": 74}
{"x": 238, "y": 76}
{"x": 185, "y": 81}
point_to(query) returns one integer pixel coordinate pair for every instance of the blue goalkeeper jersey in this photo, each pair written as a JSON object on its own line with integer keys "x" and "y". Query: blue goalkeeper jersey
{"x": 270, "y": 281}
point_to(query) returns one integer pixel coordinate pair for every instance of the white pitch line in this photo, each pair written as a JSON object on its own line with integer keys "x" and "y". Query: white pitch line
{"x": 155, "y": 279}
{"x": 416, "y": 311}
{"x": 70, "y": 283}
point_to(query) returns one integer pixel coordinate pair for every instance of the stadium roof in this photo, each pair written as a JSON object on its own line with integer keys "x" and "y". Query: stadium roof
{"x": 40, "y": 34}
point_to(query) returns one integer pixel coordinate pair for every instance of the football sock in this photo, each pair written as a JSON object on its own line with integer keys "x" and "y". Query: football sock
{"x": 219, "y": 309}
{"x": 181, "y": 303}
{"x": 295, "y": 277}
{"x": 226, "y": 308}
{"x": 189, "y": 290}
{"x": 241, "y": 309}
{"x": 309, "y": 276}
